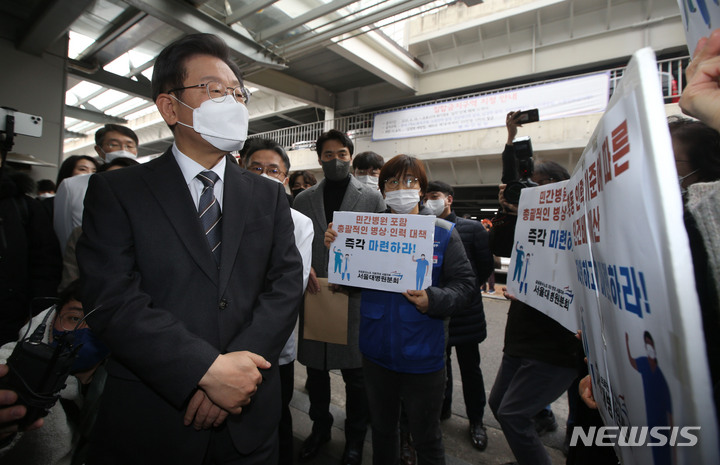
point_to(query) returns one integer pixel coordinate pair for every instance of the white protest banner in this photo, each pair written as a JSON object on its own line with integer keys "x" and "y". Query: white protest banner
{"x": 560, "y": 99}
{"x": 538, "y": 273}
{"x": 629, "y": 258}
{"x": 382, "y": 251}
{"x": 699, "y": 18}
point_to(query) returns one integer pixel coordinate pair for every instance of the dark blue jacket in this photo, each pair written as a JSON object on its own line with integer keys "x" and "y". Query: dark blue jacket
{"x": 468, "y": 325}
{"x": 395, "y": 335}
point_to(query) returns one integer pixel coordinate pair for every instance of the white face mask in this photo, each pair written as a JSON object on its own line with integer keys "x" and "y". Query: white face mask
{"x": 371, "y": 181}
{"x": 650, "y": 351}
{"x": 110, "y": 156}
{"x": 224, "y": 125}
{"x": 264, "y": 175}
{"x": 436, "y": 206}
{"x": 403, "y": 200}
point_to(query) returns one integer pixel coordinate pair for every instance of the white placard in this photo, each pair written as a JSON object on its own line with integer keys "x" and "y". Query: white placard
{"x": 700, "y": 18}
{"x": 386, "y": 252}
{"x": 629, "y": 258}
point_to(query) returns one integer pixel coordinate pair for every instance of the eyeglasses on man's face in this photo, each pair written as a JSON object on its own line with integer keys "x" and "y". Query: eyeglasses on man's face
{"x": 115, "y": 145}
{"x": 217, "y": 92}
{"x": 270, "y": 170}
{"x": 405, "y": 182}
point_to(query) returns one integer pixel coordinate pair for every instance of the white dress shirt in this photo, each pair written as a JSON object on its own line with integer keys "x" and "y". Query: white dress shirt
{"x": 190, "y": 169}
{"x": 68, "y": 206}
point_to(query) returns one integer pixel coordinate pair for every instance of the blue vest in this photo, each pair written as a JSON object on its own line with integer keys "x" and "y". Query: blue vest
{"x": 394, "y": 334}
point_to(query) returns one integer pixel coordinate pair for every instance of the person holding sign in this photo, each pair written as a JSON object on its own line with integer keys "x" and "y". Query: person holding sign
{"x": 339, "y": 191}
{"x": 540, "y": 357}
{"x": 403, "y": 335}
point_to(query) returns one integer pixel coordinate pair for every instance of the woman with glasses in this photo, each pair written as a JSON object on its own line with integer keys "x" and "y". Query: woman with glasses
{"x": 62, "y": 435}
{"x": 402, "y": 336}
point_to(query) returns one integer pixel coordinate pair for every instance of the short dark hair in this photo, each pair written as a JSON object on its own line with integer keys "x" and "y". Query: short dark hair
{"x": 254, "y": 144}
{"x": 647, "y": 335}
{"x": 45, "y": 185}
{"x": 169, "y": 71}
{"x": 68, "y": 166}
{"x": 334, "y": 134}
{"x": 552, "y": 170}
{"x": 402, "y": 164}
{"x": 307, "y": 176}
{"x": 439, "y": 186}
{"x": 701, "y": 143}
{"x": 120, "y": 162}
{"x": 68, "y": 293}
{"x": 368, "y": 160}
{"x": 124, "y": 130}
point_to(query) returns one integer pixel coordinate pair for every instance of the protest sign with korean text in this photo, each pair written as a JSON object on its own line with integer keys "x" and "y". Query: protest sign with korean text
{"x": 699, "y": 18}
{"x": 629, "y": 257}
{"x": 382, "y": 251}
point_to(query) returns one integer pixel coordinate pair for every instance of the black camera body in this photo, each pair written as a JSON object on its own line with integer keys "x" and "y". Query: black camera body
{"x": 37, "y": 373}
{"x": 518, "y": 168}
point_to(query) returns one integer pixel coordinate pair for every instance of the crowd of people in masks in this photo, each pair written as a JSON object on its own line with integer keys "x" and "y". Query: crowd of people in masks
{"x": 182, "y": 282}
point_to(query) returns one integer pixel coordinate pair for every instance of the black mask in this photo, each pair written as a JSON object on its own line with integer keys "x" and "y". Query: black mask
{"x": 295, "y": 192}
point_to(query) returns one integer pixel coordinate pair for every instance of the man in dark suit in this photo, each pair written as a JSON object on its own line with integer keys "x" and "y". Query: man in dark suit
{"x": 193, "y": 265}
{"x": 339, "y": 191}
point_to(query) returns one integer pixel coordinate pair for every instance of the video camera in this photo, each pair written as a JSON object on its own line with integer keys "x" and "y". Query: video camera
{"x": 518, "y": 168}
{"x": 38, "y": 372}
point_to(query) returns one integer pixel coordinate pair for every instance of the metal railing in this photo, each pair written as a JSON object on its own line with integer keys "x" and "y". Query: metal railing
{"x": 671, "y": 73}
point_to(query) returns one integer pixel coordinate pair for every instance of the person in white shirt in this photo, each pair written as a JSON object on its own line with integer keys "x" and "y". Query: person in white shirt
{"x": 111, "y": 141}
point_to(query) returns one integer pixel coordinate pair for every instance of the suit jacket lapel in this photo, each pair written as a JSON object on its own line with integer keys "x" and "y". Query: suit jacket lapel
{"x": 353, "y": 193}
{"x": 167, "y": 184}
{"x": 236, "y": 194}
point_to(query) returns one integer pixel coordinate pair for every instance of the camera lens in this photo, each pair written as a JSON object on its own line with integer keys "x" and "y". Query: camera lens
{"x": 512, "y": 192}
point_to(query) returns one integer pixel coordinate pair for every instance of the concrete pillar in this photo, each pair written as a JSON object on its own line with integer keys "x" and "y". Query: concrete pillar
{"x": 329, "y": 117}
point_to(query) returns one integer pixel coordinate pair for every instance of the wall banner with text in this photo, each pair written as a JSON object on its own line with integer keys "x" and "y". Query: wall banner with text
{"x": 607, "y": 252}
{"x": 382, "y": 251}
{"x": 559, "y": 99}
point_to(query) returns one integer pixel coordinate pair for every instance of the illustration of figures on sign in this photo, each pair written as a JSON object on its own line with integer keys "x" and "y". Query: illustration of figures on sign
{"x": 519, "y": 259}
{"x": 658, "y": 402}
{"x": 338, "y": 260}
{"x": 341, "y": 264}
{"x": 423, "y": 269}
{"x": 346, "y": 274}
{"x": 522, "y": 259}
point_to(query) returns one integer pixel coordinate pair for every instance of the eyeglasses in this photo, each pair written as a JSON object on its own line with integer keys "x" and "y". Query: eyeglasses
{"x": 217, "y": 92}
{"x": 69, "y": 319}
{"x": 392, "y": 184}
{"x": 116, "y": 145}
{"x": 269, "y": 170}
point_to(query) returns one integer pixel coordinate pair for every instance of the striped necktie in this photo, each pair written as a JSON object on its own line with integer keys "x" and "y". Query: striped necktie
{"x": 209, "y": 212}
